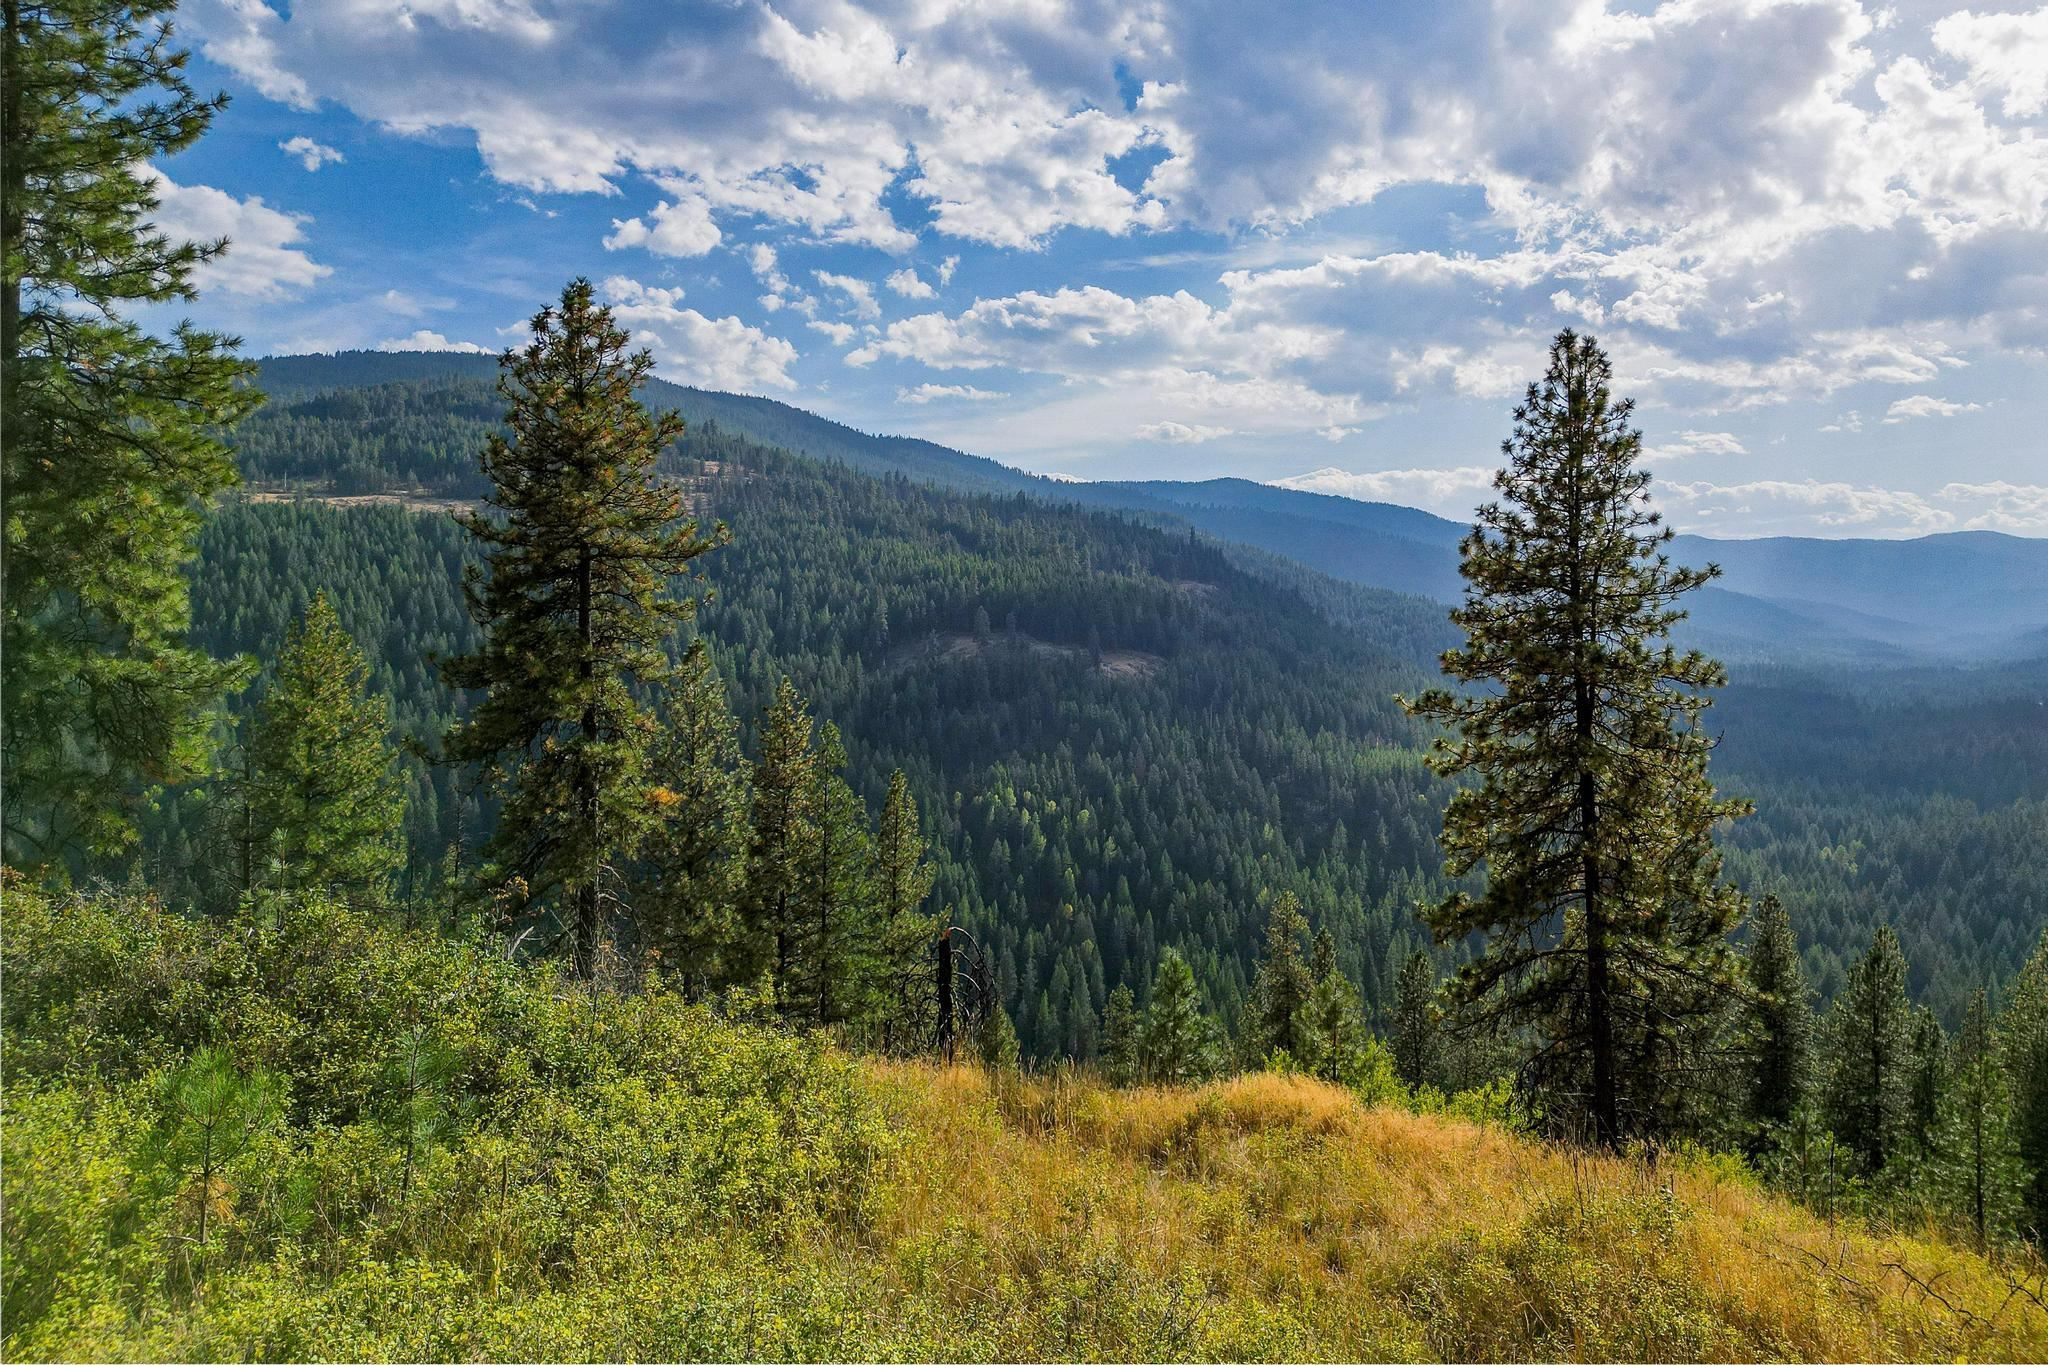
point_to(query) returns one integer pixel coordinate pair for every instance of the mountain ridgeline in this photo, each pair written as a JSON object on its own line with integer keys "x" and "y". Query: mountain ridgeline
{"x": 1955, "y": 597}
{"x": 1126, "y": 720}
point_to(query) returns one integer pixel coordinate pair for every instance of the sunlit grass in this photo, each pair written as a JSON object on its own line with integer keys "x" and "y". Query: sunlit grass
{"x": 1276, "y": 1214}
{"x": 626, "y": 1176}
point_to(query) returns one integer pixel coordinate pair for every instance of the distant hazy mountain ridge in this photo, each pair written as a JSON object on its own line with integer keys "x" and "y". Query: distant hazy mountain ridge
{"x": 1963, "y": 595}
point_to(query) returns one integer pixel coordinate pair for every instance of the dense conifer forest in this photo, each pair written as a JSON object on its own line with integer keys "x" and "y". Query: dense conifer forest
{"x": 1254, "y": 696}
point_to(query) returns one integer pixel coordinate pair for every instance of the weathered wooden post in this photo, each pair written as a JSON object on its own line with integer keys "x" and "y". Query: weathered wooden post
{"x": 945, "y": 974}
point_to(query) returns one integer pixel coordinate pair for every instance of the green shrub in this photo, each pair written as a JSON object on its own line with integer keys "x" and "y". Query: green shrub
{"x": 251, "y": 1137}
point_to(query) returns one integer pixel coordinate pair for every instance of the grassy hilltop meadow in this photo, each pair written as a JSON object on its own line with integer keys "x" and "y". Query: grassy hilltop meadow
{"x": 576, "y": 1175}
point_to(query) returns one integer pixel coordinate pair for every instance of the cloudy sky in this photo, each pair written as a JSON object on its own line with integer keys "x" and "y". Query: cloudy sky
{"x": 1322, "y": 244}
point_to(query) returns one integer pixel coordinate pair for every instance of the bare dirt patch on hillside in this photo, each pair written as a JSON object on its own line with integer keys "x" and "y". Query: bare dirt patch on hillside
{"x": 954, "y": 648}
{"x": 418, "y": 501}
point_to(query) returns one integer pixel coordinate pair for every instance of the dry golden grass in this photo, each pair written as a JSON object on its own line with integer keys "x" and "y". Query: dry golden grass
{"x": 1275, "y": 1217}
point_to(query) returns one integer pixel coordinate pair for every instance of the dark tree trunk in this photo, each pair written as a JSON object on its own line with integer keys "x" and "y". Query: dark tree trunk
{"x": 944, "y": 967}
{"x": 1583, "y": 592}
{"x": 584, "y": 931}
{"x": 13, "y": 185}
{"x": 1599, "y": 1007}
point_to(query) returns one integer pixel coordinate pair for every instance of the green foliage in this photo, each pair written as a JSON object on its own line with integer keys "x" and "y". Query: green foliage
{"x": 324, "y": 798}
{"x": 1079, "y": 814}
{"x": 415, "y": 1094}
{"x": 575, "y": 609}
{"x": 1867, "y": 1094}
{"x": 1417, "y": 1041}
{"x": 995, "y": 1041}
{"x": 834, "y": 968}
{"x": 1121, "y": 1037}
{"x": 213, "y": 1115}
{"x": 113, "y": 443}
{"x": 1593, "y": 816}
{"x": 377, "y": 1134}
{"x": 1281, "y": 1017}
{"x": 784, "y": 836}
{"x": 1780, "y": 1024}
{"x": 693, "y": 863}
{"x": 1078, "y": 819}
{"x": 1177, "y": 1042}
{"x": 899, "y": 947}
{"x": 1976, "y": 1151}
{"x": 1925, "y": 1086}
{"x": 1339, "y": 1049}
{"x": 2023, "y": 1045}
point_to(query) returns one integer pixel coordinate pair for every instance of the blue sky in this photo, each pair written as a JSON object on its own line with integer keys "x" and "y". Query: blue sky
{"x": 1322, "y": 244}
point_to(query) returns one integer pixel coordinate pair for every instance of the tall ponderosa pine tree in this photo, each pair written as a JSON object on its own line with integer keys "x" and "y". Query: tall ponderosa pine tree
{"x": 583, "y": 544}
{"x": 1977, "y": 1152}
{"x": 1337, "y": 1038}
{"x": 1930, "y": 1078}
{"x": 1780, "y": 1019}
{"x": 693, "y": 865}
{"x": 1121, "y": 1027}
{"x": 1605, "y": 918}
{"x": 1868, "y": 1093}
{"x": 325, "y": 797}
{"x": 835, "y": 965}
{"x": 784, "y": 832}
{"x": 111, "y": 445}
{"x": 1279, "y": 1019}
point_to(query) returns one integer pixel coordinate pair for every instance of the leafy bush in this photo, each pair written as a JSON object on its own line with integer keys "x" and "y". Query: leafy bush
{"x": 222, "y": 1136}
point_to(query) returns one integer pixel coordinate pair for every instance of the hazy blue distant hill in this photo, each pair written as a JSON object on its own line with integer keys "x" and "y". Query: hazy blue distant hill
{"x": 1966, "y": 595}
{"x": 1973, "y": 591}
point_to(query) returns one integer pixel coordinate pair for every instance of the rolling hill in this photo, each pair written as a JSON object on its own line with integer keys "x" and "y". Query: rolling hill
{"x": 626, "y": 1176}
{"x": 1958, "y": 596}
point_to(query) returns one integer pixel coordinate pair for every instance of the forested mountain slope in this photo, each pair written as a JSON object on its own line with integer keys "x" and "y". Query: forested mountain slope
{"x": 1122, "y": 737}
{"x": 1967, "y": 595}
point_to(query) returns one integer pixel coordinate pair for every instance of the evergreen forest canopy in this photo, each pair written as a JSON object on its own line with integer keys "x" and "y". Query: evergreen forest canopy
{"x": 1125, "y": 741}
{"x": 1869, "y": 783}
{"x": 632, "y": 818}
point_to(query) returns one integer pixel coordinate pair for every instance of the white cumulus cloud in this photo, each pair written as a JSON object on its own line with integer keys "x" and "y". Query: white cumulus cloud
{"x": 1181, "y": 433}
{"x": 424, "y": 340}
{"x": 310, "y": 154}
{"x": 1925, "y": 405}
{"x": 2007, "y": 55}
{"x": 1453, "y": 492}
{"x": 930, "y": 393}
{"x": 858, "y": 293}
{"x": 689, "y": 348}
{"x": 680, "y": 227}
{"x": 1690, "y": 443}
{"x": 264, "y": 259}
{"x": 906, "y": 283}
